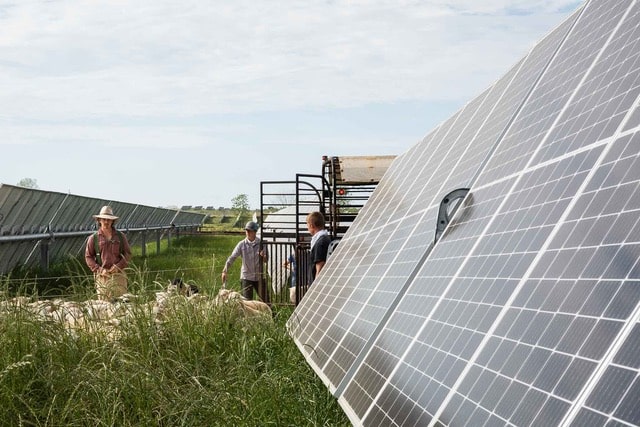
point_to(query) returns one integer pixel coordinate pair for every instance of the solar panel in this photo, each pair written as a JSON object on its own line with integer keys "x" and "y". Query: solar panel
{"x": 527, "y": 310}
{"x": 65, "y": 220}
{"x": 362, "y": 246}
{"x": 333, "y": 325}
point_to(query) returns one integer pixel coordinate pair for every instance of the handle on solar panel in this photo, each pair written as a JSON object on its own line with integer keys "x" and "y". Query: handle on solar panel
{"x": 445, "y": 212}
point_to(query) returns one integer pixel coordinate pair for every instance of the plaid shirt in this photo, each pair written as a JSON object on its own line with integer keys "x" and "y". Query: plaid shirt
{"x": 109, "y": 251}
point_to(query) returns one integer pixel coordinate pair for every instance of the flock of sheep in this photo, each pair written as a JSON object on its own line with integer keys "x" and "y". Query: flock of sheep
{"x": 106, "y": 317}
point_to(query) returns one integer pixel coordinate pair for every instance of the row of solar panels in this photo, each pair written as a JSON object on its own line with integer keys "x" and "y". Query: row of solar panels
{"x": 29, "y": 217}
{"x": 526, "y": 310}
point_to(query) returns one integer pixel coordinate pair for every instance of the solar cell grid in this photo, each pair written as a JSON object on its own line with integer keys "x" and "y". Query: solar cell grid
{"x": 417, "y": 304}
{"x": 423, "y": 191}
{"x": 308, "y": 328}
{"x": 406, "y": 226}
{"x": 384, "y": 195}
{"x": 420, "y": 186}
{"x": 356, "y": 268}
{"x": 558, "y": 84}
{"x": 528, "y": 70}
{"x": 613, "y": 301}
{"x": 396, "y": 273}
{"x": 582, "y": 336}
{"x": 565, "y": 333}
{"x": 527, "y": 310}
{"x": 412, "y": 174}
{"x": 556, "y": 330}
{"x": 387, "y": 197}
{"x": 609, "y": 92}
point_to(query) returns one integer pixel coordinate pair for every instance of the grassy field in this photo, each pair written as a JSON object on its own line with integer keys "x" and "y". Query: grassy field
{"x": 200, "y": 368}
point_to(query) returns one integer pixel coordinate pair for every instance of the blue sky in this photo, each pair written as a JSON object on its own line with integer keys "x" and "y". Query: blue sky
{"x": 168, "y": 103}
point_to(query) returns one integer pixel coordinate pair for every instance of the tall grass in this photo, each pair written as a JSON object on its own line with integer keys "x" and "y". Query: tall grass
{"x": 209, "y": 367}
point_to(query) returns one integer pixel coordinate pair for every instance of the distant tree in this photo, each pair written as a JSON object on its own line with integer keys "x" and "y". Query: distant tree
{"x": 240, "y": 202}
{"x": 28, "y": 183}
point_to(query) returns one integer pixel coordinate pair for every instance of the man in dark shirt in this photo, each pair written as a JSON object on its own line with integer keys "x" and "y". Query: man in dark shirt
{"x": 320, "y": 240}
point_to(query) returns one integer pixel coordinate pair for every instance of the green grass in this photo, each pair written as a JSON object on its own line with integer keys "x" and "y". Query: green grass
{"x": 200, "y": 368}
{"x": 198, "y": 259}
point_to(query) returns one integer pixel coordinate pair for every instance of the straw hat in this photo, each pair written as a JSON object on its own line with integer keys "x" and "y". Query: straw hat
{"x": 106, "y": 213}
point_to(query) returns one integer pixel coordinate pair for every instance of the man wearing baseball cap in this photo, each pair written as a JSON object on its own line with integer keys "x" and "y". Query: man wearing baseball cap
{"x": 252, "y": 256}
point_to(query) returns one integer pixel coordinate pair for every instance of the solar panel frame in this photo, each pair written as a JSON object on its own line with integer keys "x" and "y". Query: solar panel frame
{"x": 522, "y": 93}
{"x": 332, "y": 298}
{"x": 358, "y": 305}
{"x": 527, "y": 310}
{"x": 522, "y": 416}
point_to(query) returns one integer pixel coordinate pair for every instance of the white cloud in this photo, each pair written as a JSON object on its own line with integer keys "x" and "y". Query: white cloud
{"x": 155, "y": 58}
{"x": 226, "y": 94}
{"x": 108, "y": 136}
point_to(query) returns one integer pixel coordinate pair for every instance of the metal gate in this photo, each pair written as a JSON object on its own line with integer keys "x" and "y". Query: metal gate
{"x": 340, "y": 192}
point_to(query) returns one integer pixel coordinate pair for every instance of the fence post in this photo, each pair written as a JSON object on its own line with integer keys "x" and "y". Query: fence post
{"x": 144, "y": 243}
{"x": 44, "y": 255}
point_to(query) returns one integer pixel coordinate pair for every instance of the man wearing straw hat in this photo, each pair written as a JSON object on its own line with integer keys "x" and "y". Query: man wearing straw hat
{"x": 108, "y": 256}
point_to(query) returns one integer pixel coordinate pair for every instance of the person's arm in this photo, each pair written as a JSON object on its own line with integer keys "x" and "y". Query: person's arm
{"x": 90, "y": 255}
{"x": 234, "y": 254}
{"x": 323, "y": 250}
{"x": 319, "y": 266}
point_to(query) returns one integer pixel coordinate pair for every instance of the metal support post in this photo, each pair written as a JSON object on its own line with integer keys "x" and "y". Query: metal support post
{"x": 44, "y": 255}
{"x": 144, "y": 243}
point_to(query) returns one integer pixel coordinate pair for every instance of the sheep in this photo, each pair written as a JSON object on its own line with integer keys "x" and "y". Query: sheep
{"x": 186, "y": 289}
{"x": 248, "y": 307}
{"x": 97, "y": 316}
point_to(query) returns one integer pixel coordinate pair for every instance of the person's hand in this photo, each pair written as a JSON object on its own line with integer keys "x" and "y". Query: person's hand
{"x": 224, "y": 276}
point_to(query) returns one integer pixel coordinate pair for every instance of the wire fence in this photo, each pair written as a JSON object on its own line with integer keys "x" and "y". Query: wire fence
{"x": 10, "y": 280}
{"x": 278, "y": 279}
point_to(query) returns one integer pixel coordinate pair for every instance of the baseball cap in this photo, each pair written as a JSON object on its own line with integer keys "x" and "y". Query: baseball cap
{"x": 251, "y": 225}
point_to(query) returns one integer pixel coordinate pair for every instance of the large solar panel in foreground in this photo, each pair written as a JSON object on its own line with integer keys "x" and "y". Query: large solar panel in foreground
{"x": 526, "y": 311}
{"x": 389, "y": 241}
